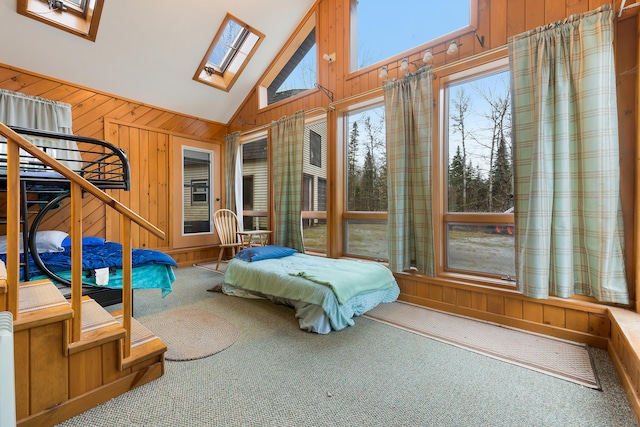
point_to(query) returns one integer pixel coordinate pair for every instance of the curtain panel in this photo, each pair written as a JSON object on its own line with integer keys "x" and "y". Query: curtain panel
{"x": 568, "y": 217}
{"x": 32, "y": 112}
{"x": 408, "y": 116}
{"x": 233, "y": 174}
{"x": 287, "y": 143}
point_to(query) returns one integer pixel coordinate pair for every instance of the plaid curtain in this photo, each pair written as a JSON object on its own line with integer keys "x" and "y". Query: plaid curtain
{"x": 569, "y": 236}
{"x": 233, "y": 174}
{"x": 408, "y": 115}
{"x": 287, "y": 143}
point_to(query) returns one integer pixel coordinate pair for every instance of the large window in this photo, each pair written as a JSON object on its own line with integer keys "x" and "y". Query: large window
{"x": 366, "y": 181}
{"x": 479, "y": 194}
{"x": 380, "y": 31}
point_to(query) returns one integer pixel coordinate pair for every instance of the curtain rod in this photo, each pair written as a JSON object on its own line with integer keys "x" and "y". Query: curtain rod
{"x": 256, "y": 129}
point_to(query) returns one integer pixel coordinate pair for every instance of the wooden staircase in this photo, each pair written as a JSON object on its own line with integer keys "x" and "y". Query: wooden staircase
{"x": 57, "y": 379}
{"x": 70, "y": 355}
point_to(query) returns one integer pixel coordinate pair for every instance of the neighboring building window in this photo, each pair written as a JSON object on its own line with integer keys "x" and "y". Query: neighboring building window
{"x": 294, "y": 71}
{"x": 199, "y": 191}
{"x": 247, "y": 201}
{"x": 255, "y": 188}
{"x": 379, "y": 32}
{"x": 314, "y": 198}
{"x": 232, "y": 47}
{"x": 79, "y": 17}
{"x": 366, "y": 182}
{"x": 315, "y": 149}
{"x": 479, "y": 206}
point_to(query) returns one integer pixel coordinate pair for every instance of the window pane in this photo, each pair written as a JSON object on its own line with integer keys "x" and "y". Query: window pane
{"x": 314, "y": 195}
{"x": 483, "y": 248}
{"x": 367, "y": 238}
{"x": 255, "y": 180}
{"x": 232, "y": 37}
{"x": 379, "y": 31}
{"x": 298, "y": 75}
{"x": 366, "y": 161}
{"x": 480, "y": 148}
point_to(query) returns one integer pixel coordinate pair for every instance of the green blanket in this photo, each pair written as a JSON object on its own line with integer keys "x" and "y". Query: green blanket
{"x": 348, "y": 278}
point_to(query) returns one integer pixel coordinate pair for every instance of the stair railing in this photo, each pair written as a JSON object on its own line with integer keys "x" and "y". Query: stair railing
{"x": 15, "y": 142}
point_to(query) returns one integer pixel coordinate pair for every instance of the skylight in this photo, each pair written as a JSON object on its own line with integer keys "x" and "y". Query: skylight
{"x": 231, "y": 49}
{"x": 79, "y": 17}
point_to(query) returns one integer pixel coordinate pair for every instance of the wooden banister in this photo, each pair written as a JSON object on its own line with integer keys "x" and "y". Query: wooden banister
{"x": 78, "y": 184}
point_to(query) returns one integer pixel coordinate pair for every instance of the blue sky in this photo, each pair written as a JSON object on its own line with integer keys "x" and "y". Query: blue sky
{"x": 387, "y": 28}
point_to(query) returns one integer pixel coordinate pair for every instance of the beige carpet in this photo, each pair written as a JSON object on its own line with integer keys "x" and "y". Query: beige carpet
{"x": 559, "y": 358}
{"x": 191, "y": 334}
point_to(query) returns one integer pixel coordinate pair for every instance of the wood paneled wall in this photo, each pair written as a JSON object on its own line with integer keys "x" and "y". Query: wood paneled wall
{"x": 148, "y": 155}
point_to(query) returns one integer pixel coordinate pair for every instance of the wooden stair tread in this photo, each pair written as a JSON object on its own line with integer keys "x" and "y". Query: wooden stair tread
{"x": 38, "y": 295}
{"x": 144, "y": 343}
{"x": 40, "y": 303}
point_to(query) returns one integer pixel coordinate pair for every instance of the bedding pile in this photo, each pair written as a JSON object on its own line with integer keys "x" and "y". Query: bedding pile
{"x": 326, "y": 293}
{"x": 151, "y": 268}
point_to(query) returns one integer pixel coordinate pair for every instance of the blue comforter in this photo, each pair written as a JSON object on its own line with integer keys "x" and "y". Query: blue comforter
{"x": 108, "y": 254}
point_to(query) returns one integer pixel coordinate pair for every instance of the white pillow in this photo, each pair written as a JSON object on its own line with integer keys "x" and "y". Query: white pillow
{"x": 46, "y": 241}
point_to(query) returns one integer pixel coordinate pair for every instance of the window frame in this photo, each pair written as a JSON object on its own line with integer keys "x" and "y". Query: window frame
{"x": 223, "y": 78}
{"x": 475, "y": 69}
{"x": 347, "y": 216}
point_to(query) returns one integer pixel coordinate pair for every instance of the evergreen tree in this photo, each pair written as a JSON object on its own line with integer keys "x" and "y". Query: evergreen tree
{"x": 501, "y": 178}
{"x": 456, "y": 182}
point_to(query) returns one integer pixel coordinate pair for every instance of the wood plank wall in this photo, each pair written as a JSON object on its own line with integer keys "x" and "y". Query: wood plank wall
{"x": 497, "y": 20}
{"x": 91, "y": 109}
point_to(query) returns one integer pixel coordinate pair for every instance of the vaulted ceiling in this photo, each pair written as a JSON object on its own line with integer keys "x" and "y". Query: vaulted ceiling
{"x": 149, "y": 50}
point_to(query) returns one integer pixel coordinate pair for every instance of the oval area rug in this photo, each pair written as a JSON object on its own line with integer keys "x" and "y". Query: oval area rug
{"x": 191, "y": 334}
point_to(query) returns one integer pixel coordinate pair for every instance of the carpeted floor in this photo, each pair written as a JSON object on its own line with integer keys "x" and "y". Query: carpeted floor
{"x": 371, "y": 374}
{"x": 532, "y": 351}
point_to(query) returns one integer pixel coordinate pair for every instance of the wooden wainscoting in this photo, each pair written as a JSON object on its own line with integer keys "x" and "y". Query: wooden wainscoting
{"x": 579, "y": 321}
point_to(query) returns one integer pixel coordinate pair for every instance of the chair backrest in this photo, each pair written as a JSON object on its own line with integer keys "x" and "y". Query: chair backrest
{"x": 227, "y": 226}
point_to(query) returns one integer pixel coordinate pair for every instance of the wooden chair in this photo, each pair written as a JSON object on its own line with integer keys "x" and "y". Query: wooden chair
{"x": 227, "y": 226}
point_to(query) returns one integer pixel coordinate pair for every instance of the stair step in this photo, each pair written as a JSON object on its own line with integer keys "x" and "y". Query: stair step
{"x": 40, "y": 303}
{"x": 144, "y": 343}
{"x": 38, "y": 295}
{"x": 98, "y": 327}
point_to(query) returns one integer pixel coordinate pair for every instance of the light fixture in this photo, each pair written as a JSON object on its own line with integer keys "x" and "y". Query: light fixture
{"x": 404, "y": 65}
{"x": 383, "y": 72}
{"x": 329, "y": 57}
{"x": 428, "y": 56}
{"x": 453, "y": 48}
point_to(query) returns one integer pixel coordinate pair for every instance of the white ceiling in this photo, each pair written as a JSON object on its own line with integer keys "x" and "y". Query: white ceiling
{"x": 148, "y": 50}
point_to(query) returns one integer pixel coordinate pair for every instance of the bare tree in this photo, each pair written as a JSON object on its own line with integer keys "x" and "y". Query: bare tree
{"x": 458, "y": 116}
{"x": 499, "y": 115}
